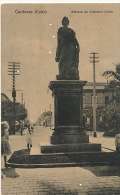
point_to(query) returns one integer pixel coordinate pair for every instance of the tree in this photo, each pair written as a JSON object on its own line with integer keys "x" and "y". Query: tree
{"x": 114, "y": 84}
{"x": 115, "y": 74}
{"x": 111, "y": 112}
{"x": 7, "y": 112}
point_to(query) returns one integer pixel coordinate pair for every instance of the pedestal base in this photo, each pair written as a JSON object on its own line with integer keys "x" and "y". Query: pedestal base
{"x": 70, "y": 139}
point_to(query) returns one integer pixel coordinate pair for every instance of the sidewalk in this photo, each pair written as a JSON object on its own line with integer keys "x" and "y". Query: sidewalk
{"x": 107, "y": 143}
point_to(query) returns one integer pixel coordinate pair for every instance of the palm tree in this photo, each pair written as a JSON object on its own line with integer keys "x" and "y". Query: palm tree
{"x": 114, "y": 84}
{"x": 115, "y": 74}
{"x": 112, "y": 111}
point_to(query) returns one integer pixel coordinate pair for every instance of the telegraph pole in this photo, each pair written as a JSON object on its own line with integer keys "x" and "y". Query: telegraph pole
{"x": 22, "y": 98}
{"x": 94, "y": 57}
{"x": 45, "y": 119}
{"x": 13, "y": 70}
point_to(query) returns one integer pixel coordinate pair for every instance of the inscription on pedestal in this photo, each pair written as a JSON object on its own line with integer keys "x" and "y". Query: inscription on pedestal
{"x": 68, "y": 110}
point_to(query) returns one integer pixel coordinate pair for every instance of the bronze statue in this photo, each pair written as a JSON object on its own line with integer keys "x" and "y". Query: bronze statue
{"x": 67, "y": 53}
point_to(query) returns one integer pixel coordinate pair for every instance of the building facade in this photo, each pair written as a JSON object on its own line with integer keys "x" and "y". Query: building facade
{"x": 102, "y": 99}
{"x": 45, "y": 119}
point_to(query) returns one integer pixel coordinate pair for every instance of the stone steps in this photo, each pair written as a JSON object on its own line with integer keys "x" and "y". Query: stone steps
{"x": 23, "y": 158}
{"x": 65, "y": 148}
{"x": 53, "y": 165}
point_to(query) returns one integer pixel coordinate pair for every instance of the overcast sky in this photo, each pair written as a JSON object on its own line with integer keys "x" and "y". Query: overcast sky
{"x": 31, "y": 39}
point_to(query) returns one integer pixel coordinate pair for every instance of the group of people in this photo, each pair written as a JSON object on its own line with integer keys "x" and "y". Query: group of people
{"x": 5, "y": 146}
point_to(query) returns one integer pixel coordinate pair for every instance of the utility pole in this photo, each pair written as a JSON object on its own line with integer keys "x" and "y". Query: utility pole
{"x": 22, "y": 98}
{"x": 45, "y": 119}
{"x": 94, "y": 57}
{"x": 13, "y": 70}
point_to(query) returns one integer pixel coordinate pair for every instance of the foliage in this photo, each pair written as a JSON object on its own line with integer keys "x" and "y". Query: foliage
{"x": 111, "y": 113}
{"x": 7, "y": 113}
{"x": 114, "y": 84}
{"x": 114, "y": 74}
{"x": 111, "y": 119}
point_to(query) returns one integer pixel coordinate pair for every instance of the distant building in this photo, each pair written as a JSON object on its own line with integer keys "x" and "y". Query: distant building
{"x": 102, "y": 99}
{"x": 45, "y": 119}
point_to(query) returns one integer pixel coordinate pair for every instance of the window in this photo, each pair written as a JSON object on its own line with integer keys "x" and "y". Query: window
{"x": 84, "y": 100}
{"x": 95, "y": 102}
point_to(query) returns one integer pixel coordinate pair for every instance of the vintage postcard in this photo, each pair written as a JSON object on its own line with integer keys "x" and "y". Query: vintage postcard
{"x": 60, "y": 98}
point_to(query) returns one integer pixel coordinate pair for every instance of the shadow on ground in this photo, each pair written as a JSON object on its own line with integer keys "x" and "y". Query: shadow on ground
{"x": 9, "y": 172}
{"x": 101, "y": 171}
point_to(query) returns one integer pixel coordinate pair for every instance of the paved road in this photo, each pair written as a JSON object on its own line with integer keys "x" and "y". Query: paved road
{"x": 52, "y": 181}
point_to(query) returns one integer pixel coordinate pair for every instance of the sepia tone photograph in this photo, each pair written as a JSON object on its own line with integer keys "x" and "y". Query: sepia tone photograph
{"x": 60, "y": 99}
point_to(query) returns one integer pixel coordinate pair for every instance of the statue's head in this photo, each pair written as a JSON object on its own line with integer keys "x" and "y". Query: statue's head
{"x": 65, "y": 21}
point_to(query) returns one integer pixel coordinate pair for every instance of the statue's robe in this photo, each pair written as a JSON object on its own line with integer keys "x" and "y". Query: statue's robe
{"x": 67, "y": 53}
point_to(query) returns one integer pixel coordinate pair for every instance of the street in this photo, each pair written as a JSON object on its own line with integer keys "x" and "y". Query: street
{"x": 97, "y": 180}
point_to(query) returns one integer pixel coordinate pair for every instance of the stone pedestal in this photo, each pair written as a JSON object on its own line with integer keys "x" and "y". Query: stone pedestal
{"x": 68, "y": 104}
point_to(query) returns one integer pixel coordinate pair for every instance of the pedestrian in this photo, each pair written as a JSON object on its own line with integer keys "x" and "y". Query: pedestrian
{"x": 21, "y": 127}
{"x": 5, "y": 146}
{"x": 29, "y": 133}
{"x": 117, "y": 142}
